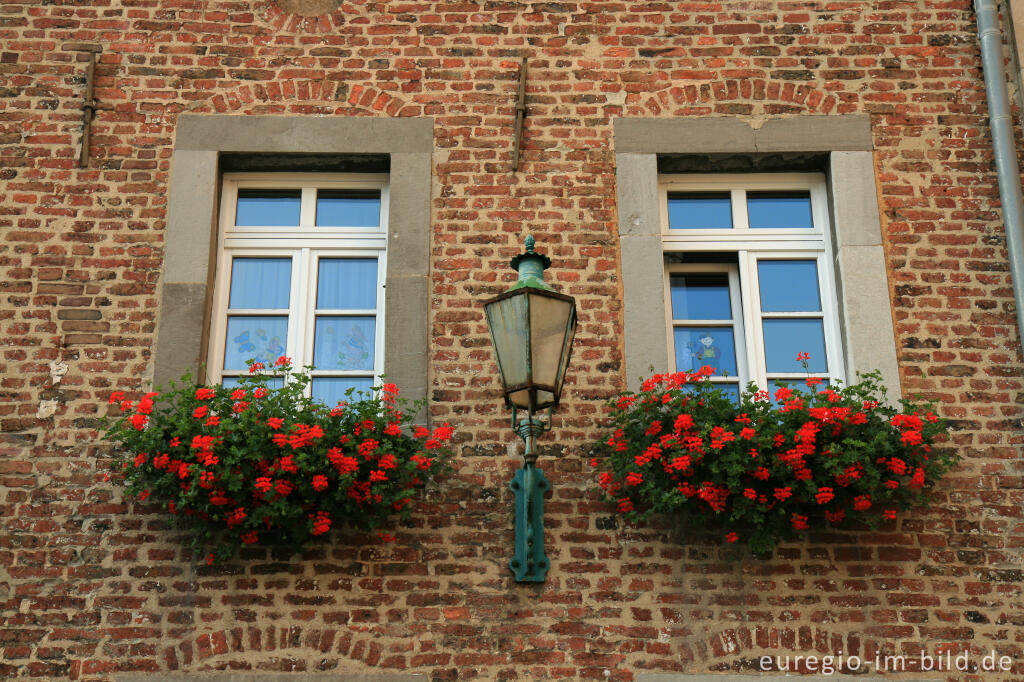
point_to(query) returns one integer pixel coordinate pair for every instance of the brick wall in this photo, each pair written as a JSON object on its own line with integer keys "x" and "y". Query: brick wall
{"x": 91, "y": 587}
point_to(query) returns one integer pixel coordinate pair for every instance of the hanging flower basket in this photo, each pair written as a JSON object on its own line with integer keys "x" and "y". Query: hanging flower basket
{"x": 255, "y": 464}
{"x": 766, "y": 470}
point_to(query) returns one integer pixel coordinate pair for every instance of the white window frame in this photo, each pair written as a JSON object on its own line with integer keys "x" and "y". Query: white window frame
{"x": 305, "y": 244}
{"x": 750, "y": 246}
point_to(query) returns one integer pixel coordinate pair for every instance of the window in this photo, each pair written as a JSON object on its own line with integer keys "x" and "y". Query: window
{"x": 206, "y": 147}
{"x": 301, "y": 273}
{"x": 748, "y": 281}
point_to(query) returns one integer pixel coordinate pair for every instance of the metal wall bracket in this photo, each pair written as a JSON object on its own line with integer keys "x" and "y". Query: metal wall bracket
{"x": 529, "y": 564}
{"x": 89, "y": 105}
{"x": 520, "y": 115}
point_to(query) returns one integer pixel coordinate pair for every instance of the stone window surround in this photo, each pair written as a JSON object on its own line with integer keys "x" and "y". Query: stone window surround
{"x": 865, "y": 308}
{"x": 192, "y": 212}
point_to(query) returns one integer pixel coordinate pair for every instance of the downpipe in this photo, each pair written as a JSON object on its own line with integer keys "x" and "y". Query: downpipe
{"x": 1007, "y": 170}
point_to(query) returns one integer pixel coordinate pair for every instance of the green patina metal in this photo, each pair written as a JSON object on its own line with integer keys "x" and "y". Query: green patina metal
{"x": 529, "y": 563}
{"x": 531, "y": 267}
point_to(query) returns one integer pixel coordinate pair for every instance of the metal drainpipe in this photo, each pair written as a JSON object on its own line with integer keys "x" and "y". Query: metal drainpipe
{"x": 1003, "y": 145}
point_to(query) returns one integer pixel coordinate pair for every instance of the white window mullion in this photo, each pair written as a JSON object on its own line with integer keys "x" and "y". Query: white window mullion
{"x": 217, "y": 344}
{"x": 753, "y": 328}
{"x": 307, "y": 211}
{"x": 830, "y": 319}
{"x": 378, "y": 336}
{"x": 739, "y": 327}
{"x": 740, "y": 220}
{"x": 304, "y": 281}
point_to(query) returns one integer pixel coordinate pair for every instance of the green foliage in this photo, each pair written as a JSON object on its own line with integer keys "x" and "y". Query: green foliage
{"x": 252, "y": 463}
{"x": 763, "y": 471}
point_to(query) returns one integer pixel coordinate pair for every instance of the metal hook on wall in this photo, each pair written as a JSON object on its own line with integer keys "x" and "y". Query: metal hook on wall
{"x": 89, "y": 105}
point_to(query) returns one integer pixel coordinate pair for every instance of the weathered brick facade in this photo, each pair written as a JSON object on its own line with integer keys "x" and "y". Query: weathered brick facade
{"x": 91, "y": 587}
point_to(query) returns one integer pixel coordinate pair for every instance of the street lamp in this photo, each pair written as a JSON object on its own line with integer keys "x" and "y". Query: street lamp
{"x": 532, "y": 328}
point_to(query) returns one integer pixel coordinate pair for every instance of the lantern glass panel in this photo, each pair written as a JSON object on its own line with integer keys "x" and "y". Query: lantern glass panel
{"x": 549, "y": 322}
{"x": 507, "y": 320}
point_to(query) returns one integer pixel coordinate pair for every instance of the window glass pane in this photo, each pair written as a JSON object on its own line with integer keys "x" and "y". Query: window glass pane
{"x": 347, "y": 208}
{"x": 700, "y": 346}
{"x": 268, "y": 207}
{"x": 700, "y": 297}
{"x": 795, "y": 384}
{"x": 347, "y": 284}
{"x": 785, "y": 339}
{"x": 254, "y": 338}
{"x": 331, "y": 390}
{"x": 273, "y": 382}
{"x": 730, "y": 389}
{"x": 344, "y": 343}
{"x": 699, "y": 211}
{"x": 788, "y": 286}
{"x": 260, "y": 283}
{"x": 779, "y": 210}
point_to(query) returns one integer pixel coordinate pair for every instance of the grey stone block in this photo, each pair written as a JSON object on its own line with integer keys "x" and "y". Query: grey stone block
{"x": 180, "y": 332}
{"x": 704, "y": 135}
{"x": 729, "y": 135}
{"x": 646, "y": 340}
{"x": 854, "y": 199}
{"x": 289, "y": 134}
{"x": 867, "y": 315}
{"x": 192, "y": 216}
{"x": 406, "y": 299}
{"x": 814, "y": 134}
{"x": 637, "y": 194}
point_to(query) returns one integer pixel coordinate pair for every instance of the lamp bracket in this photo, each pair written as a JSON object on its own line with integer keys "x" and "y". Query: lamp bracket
{"x": 528, "y": 428}
{"x": 529, "y": 564}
